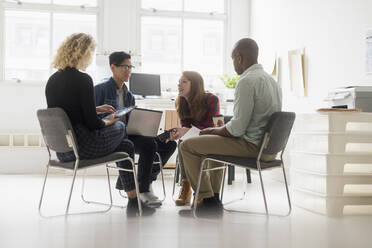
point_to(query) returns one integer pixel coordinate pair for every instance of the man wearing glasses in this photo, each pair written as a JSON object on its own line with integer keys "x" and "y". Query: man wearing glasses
{"x": 115, "y": 93}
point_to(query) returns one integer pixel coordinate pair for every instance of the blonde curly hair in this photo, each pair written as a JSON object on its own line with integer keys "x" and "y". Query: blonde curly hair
{"x": 76, "y": 51}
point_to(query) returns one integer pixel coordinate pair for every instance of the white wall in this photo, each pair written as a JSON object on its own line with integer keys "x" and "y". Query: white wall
{"x": 19, "y": 102}
{"x": 332, "y": 33}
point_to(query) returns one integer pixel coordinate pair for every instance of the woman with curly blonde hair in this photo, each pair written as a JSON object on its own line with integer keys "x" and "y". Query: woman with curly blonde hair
{"x": 72, "y": 90}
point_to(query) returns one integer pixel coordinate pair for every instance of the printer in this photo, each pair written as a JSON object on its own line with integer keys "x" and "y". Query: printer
{"x": 351, "y": 97}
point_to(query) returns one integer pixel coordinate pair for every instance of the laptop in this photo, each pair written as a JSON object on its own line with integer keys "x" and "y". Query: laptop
{"x": 144, "y": 122}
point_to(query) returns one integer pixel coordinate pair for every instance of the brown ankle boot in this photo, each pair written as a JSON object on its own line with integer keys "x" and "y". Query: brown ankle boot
{"x": 185, "y": 194}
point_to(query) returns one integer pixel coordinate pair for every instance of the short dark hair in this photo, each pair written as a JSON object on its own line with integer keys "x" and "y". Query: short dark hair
{"x": 118, "y": 57}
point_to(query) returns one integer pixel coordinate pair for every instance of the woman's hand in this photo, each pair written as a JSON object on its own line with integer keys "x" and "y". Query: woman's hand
{"x": 109, "y": 120}
{"x": 177, "y": 133}
{"x": 105, "y": 109}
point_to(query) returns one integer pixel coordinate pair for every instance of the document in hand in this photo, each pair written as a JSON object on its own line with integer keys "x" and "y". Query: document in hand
{"x": 193, "y": 132}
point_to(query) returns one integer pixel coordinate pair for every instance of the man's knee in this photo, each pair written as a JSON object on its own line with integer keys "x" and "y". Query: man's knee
{"x": 182, "y": 146}
{"x": 187, "y": 145}
{"x": 145, "y": 144}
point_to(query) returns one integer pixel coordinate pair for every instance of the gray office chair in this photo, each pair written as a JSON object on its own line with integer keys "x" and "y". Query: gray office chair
{"x": 59, "y": 137}
{"x": 274, "y": 141}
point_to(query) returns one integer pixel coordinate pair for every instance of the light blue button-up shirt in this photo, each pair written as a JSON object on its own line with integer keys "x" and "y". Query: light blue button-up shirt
{"x": 257, "y": 97}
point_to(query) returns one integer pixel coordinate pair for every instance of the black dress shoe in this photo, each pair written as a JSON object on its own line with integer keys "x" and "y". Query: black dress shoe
{"x": 133, "y": 211}
{"x": 208, "y": 208}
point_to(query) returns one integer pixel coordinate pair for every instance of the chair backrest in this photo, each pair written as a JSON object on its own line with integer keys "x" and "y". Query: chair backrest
{"x": 278, "y": 129}
{"x": 55, "y": 125}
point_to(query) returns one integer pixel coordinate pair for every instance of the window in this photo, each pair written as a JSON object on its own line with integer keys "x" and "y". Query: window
{"x": 183, "y": 35}
{"x": 26, "y": 45}
{"x": 34, "y": 30}
{"x": 205, "y": 6}
{"x": 162, "y": 4}
{"x": 161, "y": 45}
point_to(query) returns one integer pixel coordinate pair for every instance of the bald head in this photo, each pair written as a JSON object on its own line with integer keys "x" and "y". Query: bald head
{"x": 244, "y": 54}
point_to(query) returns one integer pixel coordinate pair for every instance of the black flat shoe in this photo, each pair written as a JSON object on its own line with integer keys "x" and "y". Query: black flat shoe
{"x": 208, "y": 208}
{"x": 133, "y": 211}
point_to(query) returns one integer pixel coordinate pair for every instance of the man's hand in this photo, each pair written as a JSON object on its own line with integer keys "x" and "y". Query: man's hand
{"x": 209, "y": 130}
{"x": 177, "y": 133}
{"x": 105, "y": 109}
{"x": 221, "y": 131}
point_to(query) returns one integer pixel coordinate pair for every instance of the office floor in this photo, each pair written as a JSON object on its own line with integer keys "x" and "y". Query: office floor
{"x": 21, "y": 226}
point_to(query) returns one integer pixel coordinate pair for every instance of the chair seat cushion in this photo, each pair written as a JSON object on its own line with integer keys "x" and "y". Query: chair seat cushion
{"x": 249, "y": 163}
{"x": 90, "y": 162}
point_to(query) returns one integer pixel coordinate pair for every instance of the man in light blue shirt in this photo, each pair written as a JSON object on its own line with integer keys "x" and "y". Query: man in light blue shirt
{"x": 257, "y": 97}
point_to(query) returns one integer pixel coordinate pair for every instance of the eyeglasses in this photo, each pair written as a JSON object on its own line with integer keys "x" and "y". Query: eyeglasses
{"x": 125, "y": 67}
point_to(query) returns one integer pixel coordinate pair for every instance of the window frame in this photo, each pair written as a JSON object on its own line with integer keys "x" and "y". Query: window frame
{"x": 51, "y": 9}
{"x": 191, "y": 15}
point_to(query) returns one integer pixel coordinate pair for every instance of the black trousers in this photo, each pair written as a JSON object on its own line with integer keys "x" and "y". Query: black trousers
{"x": 146, "y": 147}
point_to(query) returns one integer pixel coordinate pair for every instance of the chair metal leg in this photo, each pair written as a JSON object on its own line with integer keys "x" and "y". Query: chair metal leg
{"x": 286, "y": 187}
{"x": 162, "y": 176}
{"x": 198, "y": 188}
{"x": 162, "y": 179}
{"x": 134, "y": 170}
{"x": 43, "y": 189}
{"x": 177, "y": 176}
{"x": 176, "y": 173}
{"x": 109, "y": 186}
{"x": 135, "y": 167}
{"x": 263, "y": 191}
{"x": 223, "y": 187}
{"x": 68, "y": 203}
{"x": 223, "y": 182}
{"x": 96, "y": 202}
{"x": 71, "y": 189}
{"x": 235, "y": 200}
{"x": 265, "y": 201}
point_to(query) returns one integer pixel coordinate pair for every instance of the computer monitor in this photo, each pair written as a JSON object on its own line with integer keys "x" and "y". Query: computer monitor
{"x": 145, "y": 84}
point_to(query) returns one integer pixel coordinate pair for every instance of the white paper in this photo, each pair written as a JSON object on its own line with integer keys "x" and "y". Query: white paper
{"x": 193, "y": 132}
{"x": 275, "y": 73}
{"x": 296, "y": 72}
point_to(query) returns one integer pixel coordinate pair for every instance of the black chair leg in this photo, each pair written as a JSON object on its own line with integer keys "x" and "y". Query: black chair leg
{"x": 249, "y": 179}
{"x": 230, "y": 174}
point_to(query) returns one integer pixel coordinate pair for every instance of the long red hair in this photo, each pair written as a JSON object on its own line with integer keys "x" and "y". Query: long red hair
{"x": 195, "y": 107}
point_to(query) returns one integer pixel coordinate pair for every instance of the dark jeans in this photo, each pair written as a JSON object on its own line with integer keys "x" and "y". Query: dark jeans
{"x": 146, "y": 147}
